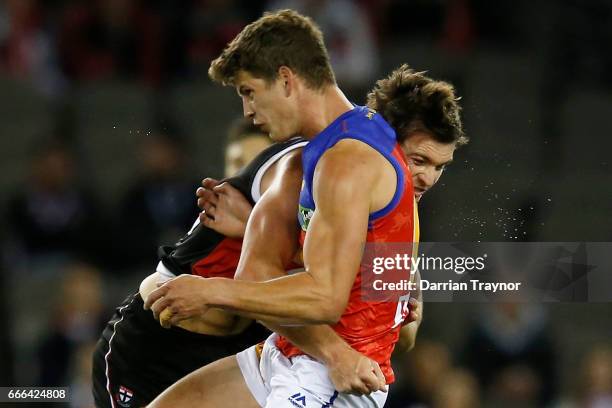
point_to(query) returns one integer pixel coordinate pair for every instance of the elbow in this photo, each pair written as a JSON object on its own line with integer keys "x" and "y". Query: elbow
{"x": 329, "y": 316}
{"x": 406, "y": 345}
{"x": 328, "y": 310}
{"x": 407, "y": 338}
{"x": 251, "y": 275}
{"x": 319, "y": 306}
{"x": 336, "y": 312}
{"x": 259, "y": 271}
{"x": 247, "y": 275}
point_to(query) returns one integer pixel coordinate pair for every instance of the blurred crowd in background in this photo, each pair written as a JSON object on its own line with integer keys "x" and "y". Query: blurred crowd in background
{"x": 109, "y": 123}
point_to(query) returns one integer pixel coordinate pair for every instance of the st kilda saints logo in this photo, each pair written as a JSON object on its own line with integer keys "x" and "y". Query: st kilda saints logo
{"x": 124, "y": 396}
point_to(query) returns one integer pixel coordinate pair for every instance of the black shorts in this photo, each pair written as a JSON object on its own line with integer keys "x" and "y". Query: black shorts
{"x": 136, "y": 359}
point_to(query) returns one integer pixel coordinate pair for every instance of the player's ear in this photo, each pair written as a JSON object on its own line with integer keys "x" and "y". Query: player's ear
{"x": 288, "y": 79}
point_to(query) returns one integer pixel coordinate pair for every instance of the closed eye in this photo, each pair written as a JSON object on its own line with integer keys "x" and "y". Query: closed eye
{"x": 418, "y": 161}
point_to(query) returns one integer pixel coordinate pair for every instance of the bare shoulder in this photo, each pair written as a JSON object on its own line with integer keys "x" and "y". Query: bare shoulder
{"x": 350, "y": 159}
{"x": 288, "y": 167}
{"x": 292, "y": 160}
{"x": 356, "y": 169}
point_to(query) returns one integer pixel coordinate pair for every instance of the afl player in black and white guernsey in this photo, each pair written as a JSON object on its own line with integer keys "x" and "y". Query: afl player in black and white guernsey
{"x": 136, "y": 358}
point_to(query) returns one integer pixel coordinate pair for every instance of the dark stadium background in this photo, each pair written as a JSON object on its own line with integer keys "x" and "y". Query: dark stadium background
{"x": 96, "y": 94}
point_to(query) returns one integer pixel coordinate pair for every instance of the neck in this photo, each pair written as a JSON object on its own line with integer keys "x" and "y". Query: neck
{"x": 321, "y": 108}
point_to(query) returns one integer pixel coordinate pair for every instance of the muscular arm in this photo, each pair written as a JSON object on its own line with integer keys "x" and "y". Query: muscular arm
{"x": 270, "y": 243}
{"x": 344, "y": 182}
{"x": 332, "y": 252}
{"x": 214, "y": 322}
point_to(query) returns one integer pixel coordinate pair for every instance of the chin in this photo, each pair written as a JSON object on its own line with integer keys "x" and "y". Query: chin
{"x": 278, "y": 137}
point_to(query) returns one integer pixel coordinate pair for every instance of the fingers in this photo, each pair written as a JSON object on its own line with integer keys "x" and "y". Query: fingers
{"x": 206, "y": 197}
{"x": 210, "y": 211}
{"x": 225, "y": 188}
{"x": 164, "y": 318}
{"x": 359, "y": 388}
{"x": 206, "y": 220}
{"x": 174, "y": 319}
{"x": 206, "y": 194}
{"x": 382, "y": 382}
{"x": 415, "y": 309}
{"x": 371, "y": 383}
{"x": 368, "y": 378}
{"x": 159, "y": 306}
{"x": 210, "y": 183}
{"x": 207, "y": 201}
{"x": 355, "y": 386}
{"x": 414, "y": 303}
{"x": 155, "y": 295}
{"x": 371, "y": 380}
{"x": 412, "y": 317}
{"x": 374, "y": 380}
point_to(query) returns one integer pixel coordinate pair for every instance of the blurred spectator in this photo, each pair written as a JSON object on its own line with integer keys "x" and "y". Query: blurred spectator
{"x": 27, "y": 49}
{"x": 418, "y": 374}
{"x": 76, "y": 320}
{"x": 510, "y": 350}
{"x": 160, "y": 204}
{"x": 80, "y": 376}
{"x": 21, "y": 31}
{"x": 244, "y": 142}
{"x": 52, "y": 213}
{"x": 214, "y": 23}
{"x": 6, "y": 346}
{"x": 577, "y": 56}
{"x": 458, "y": 29}
{"x": 123, "y": 38}
{"x": 457, "y": 389}
{"x": 596, "y": 384}
{"x": 348, "y": 36}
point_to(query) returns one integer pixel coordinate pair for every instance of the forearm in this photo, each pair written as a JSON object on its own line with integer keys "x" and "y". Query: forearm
{"x": 318, "y": 341}
{"x": 407, "y": 338}
{"x": 215, "y": 322}
{"x": 295, "y": 299}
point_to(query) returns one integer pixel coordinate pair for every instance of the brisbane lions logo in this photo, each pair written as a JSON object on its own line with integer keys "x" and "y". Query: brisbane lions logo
{"x": 305, "y": 214}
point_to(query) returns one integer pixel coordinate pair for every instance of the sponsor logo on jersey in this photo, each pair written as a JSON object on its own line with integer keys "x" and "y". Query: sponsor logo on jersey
{"x": 124, "y": 396}
{"x": 298, "y": 400}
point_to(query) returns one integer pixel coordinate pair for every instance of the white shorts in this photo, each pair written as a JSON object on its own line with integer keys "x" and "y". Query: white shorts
{"x": 298, "y": 382}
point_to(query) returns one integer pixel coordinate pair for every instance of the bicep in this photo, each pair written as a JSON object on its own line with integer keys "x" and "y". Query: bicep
{"x": 337, "y": 231}
{"x": 270, "y": 239}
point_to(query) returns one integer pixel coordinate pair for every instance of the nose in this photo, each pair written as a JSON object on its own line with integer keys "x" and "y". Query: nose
{"x": 247, "y": 110}
{"x": 428, "y": 177}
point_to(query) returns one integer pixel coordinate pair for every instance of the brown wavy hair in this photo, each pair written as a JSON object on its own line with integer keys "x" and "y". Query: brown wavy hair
{"x": 282, "y": 38}
{"x": 411, "y": 101}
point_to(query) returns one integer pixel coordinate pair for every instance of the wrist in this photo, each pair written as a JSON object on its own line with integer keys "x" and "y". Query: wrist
{"x": 333, "y": 352}
{"x": 219, "y": 293}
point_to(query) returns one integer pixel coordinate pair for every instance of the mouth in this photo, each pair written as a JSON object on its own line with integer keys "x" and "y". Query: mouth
{"x": 418, "y": 192}
{"x": 261, "y": 126}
